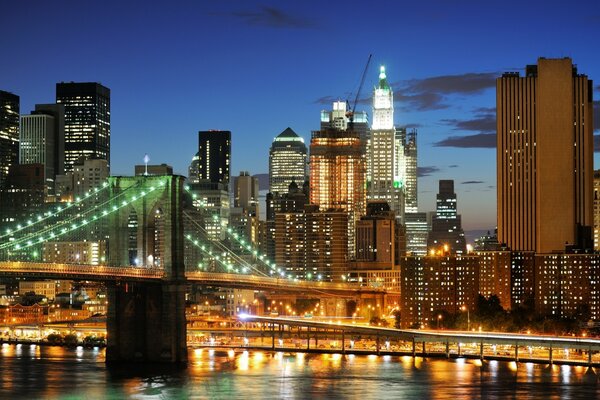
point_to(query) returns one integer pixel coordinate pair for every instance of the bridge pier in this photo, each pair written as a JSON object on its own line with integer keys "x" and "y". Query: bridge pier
{"x": 146, "y": 323}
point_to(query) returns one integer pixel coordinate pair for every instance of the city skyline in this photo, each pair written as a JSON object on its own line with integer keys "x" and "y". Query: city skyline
{"x": 258, "y": 86}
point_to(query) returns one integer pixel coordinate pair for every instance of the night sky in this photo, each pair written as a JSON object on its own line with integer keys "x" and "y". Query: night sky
{"x": 175, "y": 68}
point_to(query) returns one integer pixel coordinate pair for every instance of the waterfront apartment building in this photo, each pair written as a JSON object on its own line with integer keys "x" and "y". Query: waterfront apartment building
{"x": 87, "y": 121}
{"x": 9, "y": 133}
{"x": 433, "y": 284}
{"x": 545, "y": 157}
{"x": 214, "y": 155}
{"x": 287, "y": 161}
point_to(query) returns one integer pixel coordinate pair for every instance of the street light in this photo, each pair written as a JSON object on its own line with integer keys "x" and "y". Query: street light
{"x": 439, "y": 319}
{"x": 465, "y": 308}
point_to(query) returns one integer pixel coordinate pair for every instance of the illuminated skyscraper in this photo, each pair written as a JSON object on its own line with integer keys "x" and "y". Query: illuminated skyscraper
{"x": 9, "y": 133}
{"x": 446, "y": 229}
{"x": 597, "y": 210}
{"x": 545, "y": 157}
{"x": 337, "y": 171}
{"x": 337, "y": 175}
{"x": 42, "y": 141}
{"x": 87, "y": 121}
{"x": 338, "y": 119}
{"x": 214, "y": 154}
{"x": 193, "y": 169}
{"x": 287, "y": 161}
{"x": 391, "y": 155}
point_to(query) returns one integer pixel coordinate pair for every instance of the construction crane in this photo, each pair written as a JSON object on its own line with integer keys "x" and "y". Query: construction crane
{"x": 350, "y": 112}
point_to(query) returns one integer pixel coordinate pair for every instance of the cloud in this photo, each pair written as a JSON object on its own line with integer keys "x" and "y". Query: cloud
{"x": 326, "y": 100}
{"x": 426, "y": 171}
{"x": 432, "y": 93}
{"x": 453, "y": 166}
{"x": 484, "y": 124}
{"x": 273, "y": 18}
{"x": 468, "y": 83}
{"x": 480, "y": 140}
{"x": 471, "y": 182}
{"x": 421, "y": 101}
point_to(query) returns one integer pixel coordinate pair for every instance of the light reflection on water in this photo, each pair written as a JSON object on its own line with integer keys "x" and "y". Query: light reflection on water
{"x": 60, "y": 373}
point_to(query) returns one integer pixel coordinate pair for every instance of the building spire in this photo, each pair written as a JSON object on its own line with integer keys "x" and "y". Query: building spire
{"x": 382, "y": 78}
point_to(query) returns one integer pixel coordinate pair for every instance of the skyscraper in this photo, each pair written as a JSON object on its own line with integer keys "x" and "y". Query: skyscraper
{"x": 386, "y": 151}
{"x": 446, "y": 230}
{"x": 42, "y": 140}
{"x": 245, "y": 191}
{"x": 287, "y": 161}
{"x": 9, "y": 133}
{"x": 545, "y": 157}
{"x": 214, "y": 154}
{"x": 338, "y": 119}
{"x": 337, "y": 171}
{"x": 337, "y": 175}
{"x": 87, "y": 121}
{"x": 411, "y": 203}
{"x": 194, "y": 170}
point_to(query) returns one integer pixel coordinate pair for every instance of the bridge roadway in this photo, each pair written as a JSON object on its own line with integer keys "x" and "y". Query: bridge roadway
{"x": 129, "y": 273}
{"x": 456, "y": 338}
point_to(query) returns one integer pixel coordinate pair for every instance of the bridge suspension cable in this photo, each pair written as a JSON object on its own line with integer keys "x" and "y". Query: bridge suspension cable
{"x": 49, "y": 214}
{"x": 218, "y": 244}
{"x": 57, "y": 231}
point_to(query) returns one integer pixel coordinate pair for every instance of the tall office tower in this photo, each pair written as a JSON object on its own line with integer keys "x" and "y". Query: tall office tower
{"x": 597, "y": 210}
{"x": 87, "y": 121}
{"x": 194, "y": 169}
{"x": 417, "y": 231}
{"x": 9, "y": 133}
{"x": 446, "y": 231}
{"x": 337, "y": 175}
{"x": 545, "y": 157}
{"x": 337, "y": 118}
{"x": 214, "y": 152}
{"x": 245, "y": 191}
{"x": 41, "y": 141}
{"x": 411, "y": 203}
{"x": 287, "y": 161}
{"x": 386, "y": 151}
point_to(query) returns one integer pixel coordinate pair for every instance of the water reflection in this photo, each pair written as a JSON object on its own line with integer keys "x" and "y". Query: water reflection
{"x": 55, "y": 372}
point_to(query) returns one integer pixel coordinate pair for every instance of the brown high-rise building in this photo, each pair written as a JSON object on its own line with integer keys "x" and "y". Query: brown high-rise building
{"x": 545, "y": 157}
{"x": 337, "y": 175}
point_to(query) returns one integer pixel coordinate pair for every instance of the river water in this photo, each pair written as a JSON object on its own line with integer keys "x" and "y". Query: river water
{"x": 46, "y": 372}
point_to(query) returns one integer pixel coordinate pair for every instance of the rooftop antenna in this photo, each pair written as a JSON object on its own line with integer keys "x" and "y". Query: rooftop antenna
{"x": 146, "y": 161}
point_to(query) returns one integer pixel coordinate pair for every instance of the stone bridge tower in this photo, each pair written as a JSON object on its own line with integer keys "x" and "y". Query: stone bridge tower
{"x": 146, "y": 321}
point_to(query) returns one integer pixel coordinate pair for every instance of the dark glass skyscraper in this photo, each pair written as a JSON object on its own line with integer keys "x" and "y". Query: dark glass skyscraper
{"x": 9, "y": 133}
{"x": 446, "y": 230}
{"x": 87, "y": 121}
{"x": 214, "y": 154}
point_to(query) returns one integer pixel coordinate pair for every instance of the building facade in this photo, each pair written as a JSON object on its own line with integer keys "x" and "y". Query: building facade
{"x": 87, "y": 121}
{"x": 545, "y": 192}
{"x": 446, "y": 230}
{"x": 9, "y": 133}
{"x": 386, "y": 174}
{"x": 287, "y": 161}
{"x": 214, "y": 155}
{"x": 42, "y": 141}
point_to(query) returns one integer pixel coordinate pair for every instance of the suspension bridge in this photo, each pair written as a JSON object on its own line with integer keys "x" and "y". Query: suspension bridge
{"x": 154, "y": 244}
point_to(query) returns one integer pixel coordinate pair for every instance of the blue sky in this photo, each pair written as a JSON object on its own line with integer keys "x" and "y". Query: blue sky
{"x": 256, "y": 68}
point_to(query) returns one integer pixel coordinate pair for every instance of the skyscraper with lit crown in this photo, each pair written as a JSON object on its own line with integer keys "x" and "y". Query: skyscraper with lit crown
{"x": 387, "y": 162}
{"x": 287, "y": 161}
